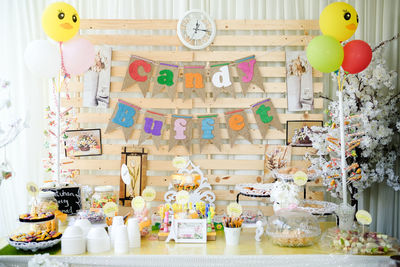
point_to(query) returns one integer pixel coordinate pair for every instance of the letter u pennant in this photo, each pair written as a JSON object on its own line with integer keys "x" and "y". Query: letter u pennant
{"x": 153, "y": 127}
{"x": 180, "y": 132}
{"x": 139, "y": 71}
{"x": 237, "y": 124}
{"x": 125, "y": 115}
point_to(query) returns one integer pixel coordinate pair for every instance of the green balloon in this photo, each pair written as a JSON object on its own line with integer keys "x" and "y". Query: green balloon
{"x": 325, "y": 53}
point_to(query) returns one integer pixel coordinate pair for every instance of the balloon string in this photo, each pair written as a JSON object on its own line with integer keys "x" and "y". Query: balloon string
{"x": 62, "y": 62}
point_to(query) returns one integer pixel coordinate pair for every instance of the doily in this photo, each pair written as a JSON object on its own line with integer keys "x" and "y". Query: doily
{"x": 34, "y": 246}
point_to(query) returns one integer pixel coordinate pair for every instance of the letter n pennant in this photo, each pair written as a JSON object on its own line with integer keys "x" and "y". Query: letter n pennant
{"x": 153, "y": 127}
{"x": 194, "y": 78}
{"x": 125, "y": 116}
{"x": 266, "y": 115}
{"x": 139, "y": 71}
{"x": 180, "y": 131}
{"x": 249, "y": 73}
{"x": 237, "y": 124}
{"x": 208, "y": 127}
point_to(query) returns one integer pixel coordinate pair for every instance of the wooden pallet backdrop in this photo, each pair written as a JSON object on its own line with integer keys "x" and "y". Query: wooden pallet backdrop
{"x": 157, "y": 40}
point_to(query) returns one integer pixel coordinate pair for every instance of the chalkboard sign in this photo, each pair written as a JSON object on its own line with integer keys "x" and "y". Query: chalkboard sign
{"x": 68, "y": 198}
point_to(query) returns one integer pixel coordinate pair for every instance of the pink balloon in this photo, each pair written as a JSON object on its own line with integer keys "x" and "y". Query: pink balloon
{"x": 78, "y": 55}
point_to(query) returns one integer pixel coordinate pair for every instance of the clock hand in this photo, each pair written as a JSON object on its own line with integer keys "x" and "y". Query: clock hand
{"x": 203, "y": 30}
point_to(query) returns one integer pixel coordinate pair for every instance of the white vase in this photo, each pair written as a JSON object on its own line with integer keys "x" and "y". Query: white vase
{"x": 345, "y": 212}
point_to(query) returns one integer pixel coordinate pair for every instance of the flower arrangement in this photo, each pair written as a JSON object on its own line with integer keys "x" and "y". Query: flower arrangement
{"x": 371, "y": 98}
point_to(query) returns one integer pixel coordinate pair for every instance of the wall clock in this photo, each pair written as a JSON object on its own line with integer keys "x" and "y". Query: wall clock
{"x": 196, "y": 29}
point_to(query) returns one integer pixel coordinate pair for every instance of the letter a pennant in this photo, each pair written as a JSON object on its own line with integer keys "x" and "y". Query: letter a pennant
{"x": 166, "y": 78}
{"x": 153, "y": 127}
{"x": 125, "y": 116}
{"x": 249, "y": 73}
{"x": 237, "y": 125}
{"x": 180, "y": 131}
{"x": 139, "y": 71}
{"x": 266, "y": 115}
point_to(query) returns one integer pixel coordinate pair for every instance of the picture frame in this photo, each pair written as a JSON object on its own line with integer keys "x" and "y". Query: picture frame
{"x": 276, "y": 157}
{"x": 190, "y": 230}
{"x": 83, "y": 142}
{"x": 295, "y": 135}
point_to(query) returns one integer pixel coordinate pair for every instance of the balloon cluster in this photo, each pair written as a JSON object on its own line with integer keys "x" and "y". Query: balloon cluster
{"x": 60, "y": 21}
{"x": 338, "y": 22}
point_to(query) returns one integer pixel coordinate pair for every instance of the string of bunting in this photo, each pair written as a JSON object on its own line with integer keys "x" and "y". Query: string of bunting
{"x": 126, "y": 115}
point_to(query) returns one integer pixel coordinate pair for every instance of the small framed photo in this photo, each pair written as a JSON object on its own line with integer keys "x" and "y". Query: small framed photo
{"x": 295, "y": 132}
{"x": 191, "y": 231}
{"x": 85, "y": 142}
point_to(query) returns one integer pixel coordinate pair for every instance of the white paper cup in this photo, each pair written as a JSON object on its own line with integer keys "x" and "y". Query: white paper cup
{"x": 232, "y": 236}
{"x": 134, "y": 233}
{"x": 98, "y": 240}
{"x": 121, "y": 242}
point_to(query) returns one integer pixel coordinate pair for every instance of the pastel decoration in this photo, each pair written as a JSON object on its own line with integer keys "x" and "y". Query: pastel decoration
{"x": 234, "y": 210}
{"x": 325, "y": 53}
{"x": 138, "y": 203}
{"x": 110, "y": 209}
{"x": 221, "y": 79}
{"x": 300, "y": 178}
{"x": 179, "y": 129}
{"x": 363, "y": 217}
{"x": 125, "y": 176}
{"x": 139, "y": 72}
{"x": 78, "y": 55}
{"x": 43, "y": 58}
{"x": 149, "y": 194}
{"x": 357, "y": 56}
{"x": 237, "y": 125}
{"x": 207, "y": 126}
{"x": 182, "y": 197}
{"x": 153, "y": 128}
{"x": 266, "y": 116}
{"x": 249, "y": 73}
{"x": 60, "y": 21}
{"x": 179, "y": 163}
{"x": 339, "y": 20}
{"x": 194, "y": 82}
{"x": 167, "y": 79}
{"x": 32, "y": 189}
{"x": 124, "y": 116}
{"x": 210, "y": 131}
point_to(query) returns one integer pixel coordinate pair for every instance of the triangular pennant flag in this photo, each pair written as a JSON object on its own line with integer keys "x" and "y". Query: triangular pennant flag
{"x": 194, "y": 80}
{"x": 221, "y": 79}
{"x": 166, "y": 78}
{"x": 180, "y": 131}
{"x": 208, "y": 127}
{"x": 125, "y": 116}
{"x": 237, "y": 124}
{"x": 249, "y": 73}
{"x": 266, "y": 115}
{"x": 153, "y": 127}
{"x": 139, "y": 71}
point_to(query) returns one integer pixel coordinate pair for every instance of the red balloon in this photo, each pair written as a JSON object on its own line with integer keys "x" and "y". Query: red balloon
{"x": 357, "y": 56}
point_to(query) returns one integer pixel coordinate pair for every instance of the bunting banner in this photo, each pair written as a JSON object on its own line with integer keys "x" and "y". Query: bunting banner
{"x": 194, "y": 81}
{"x": 249, "y": 73}
{"x": 237, "y": 124}
{"x": 166, "y": 79}
{"x": 153, "y": 127}
{"x": 265, "y": 115}
{"x": 221, "y": 79}
{"x": 139, "y": 71}
{"x": 180, "y": 132}
{"x": 208, "y": 126}
{"x": 125, "y": 116}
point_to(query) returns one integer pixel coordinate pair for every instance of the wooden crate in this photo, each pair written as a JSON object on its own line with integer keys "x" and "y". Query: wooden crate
{"x": 157, "y": 40}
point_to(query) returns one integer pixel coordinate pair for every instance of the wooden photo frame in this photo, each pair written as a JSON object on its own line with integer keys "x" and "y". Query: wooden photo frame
{"x": 83, "y": 142}
{"x": 190, "y": 230}
{"x": 135, "y": 158}
{"x": 295, "y": 135}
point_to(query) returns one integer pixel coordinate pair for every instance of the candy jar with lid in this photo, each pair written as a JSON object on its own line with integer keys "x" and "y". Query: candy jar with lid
{"x": 47, "y": 202}
{"x": 102, "y": 195}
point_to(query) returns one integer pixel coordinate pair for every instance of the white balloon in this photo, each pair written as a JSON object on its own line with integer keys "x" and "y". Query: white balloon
{"x": 43, "y": 58}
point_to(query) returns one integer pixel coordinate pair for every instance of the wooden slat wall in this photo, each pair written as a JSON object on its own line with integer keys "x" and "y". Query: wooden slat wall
{"x": 157, "y": 40}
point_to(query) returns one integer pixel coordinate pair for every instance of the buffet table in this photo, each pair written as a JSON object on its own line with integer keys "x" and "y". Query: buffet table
{"x": 214, "y": 253}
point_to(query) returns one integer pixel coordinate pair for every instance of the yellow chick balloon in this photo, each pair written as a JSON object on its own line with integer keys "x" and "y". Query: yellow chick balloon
{"x": 339, "y": 20}
{"x": 60, "y": 21}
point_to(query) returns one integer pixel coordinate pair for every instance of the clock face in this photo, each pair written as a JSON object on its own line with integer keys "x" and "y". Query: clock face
{"x": 196, "y": 29}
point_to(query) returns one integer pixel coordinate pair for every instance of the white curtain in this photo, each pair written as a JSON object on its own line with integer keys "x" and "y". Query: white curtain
{"x": 20, "y": 24}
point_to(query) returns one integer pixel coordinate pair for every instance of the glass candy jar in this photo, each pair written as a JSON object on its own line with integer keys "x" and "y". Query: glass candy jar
{"x": 293, "y": 228}
{"x": 47, "y": 202}
{"x": 102, "y": 195}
